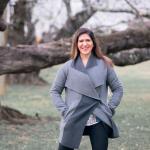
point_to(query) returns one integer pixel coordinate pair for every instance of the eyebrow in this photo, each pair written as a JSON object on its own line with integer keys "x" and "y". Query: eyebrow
{"x": 87, "y": 39}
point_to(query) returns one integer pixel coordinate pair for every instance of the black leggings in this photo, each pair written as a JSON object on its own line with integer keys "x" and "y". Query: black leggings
{"x": 98, "y": 135}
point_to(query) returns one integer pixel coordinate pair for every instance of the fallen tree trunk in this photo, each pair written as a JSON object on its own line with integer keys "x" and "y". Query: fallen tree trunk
{"x": 31, "y": 59}
{"x": 25, "y": 58}
{"x": 28, "y": 58}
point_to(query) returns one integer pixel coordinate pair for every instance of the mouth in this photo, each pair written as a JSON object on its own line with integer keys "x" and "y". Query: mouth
{"x": 85, "y": 49}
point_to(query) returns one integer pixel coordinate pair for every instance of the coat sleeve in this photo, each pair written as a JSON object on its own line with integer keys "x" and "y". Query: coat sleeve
{"x": 56, "y": 90}
{"x": 116, "y": 89}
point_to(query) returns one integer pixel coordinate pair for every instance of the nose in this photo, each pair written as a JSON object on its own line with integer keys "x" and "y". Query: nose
{"x": 84, "y": 43}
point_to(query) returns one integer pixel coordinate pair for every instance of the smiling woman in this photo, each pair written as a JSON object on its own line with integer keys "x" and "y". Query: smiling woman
{"x": 85, "y": 45}
{"x": 86, "y": 109}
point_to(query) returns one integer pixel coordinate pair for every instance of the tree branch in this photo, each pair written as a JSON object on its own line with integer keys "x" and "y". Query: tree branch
{"x": 28, "y": 58}
{"x": 74, "y": 22}
{"x": 128, "y": 39}
{"x": 68, "y": 7}
{"x": 142, "y": 13}
{"x": 133, "y": 8}
{"x": 131, "y": 57}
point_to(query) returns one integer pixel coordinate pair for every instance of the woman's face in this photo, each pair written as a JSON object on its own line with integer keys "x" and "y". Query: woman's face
{"x": 85, "y": 44}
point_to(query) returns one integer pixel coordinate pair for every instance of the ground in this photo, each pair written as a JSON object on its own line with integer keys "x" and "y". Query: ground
{"x": 132, "y": 116}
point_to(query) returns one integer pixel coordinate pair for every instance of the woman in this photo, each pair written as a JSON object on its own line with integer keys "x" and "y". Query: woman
{"x": 86, "y": 110}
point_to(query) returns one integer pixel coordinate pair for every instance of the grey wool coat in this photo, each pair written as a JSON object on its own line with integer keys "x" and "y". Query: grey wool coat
{"x": 86, "y": 90}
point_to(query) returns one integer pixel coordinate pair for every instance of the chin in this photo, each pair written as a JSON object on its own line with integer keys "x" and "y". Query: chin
{"x": 86, "y": 53}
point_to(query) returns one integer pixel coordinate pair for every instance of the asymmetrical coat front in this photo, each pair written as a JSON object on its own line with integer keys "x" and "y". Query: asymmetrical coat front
{"x": 86, "y": 90}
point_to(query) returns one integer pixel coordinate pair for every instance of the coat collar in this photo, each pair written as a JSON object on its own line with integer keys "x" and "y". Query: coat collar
{"x": 78, "y": 64}
{"x": 95, "y": 69}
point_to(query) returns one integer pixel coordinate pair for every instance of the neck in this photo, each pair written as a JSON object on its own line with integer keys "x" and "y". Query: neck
{"x": 85, "y": 58}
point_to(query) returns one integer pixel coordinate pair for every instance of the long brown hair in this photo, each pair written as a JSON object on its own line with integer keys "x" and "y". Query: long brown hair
{"x": 96, "y": 48}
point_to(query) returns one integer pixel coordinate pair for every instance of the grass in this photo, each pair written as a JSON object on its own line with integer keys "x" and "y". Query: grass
{"x": 132, "y": 117}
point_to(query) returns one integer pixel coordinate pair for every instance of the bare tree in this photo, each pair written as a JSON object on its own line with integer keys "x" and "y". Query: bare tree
{"x": 18, "y": 35}
{"x": 68, "y": 7}
{"x": 3, "y": 24}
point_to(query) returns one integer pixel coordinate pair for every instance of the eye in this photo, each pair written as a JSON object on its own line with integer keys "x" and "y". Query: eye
{"x": 80, "y": 41}
{"x": 88, "y": 40}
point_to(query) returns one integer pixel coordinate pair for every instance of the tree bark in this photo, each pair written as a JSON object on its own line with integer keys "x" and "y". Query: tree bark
{"x": 3, "y": 24}
{"x": 21, "y": 18}
{"x": 138, "y": 37}
{"x": 3, "y": 4}
{"x": 130, "y": 57}
{"x": 28, "y": 58}
{"x": 24, "y": 59}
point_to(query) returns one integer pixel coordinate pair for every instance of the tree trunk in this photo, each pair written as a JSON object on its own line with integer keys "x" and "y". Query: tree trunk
{"x": 21, "y": 18}
{"x": 25, "y": 58}
{"x": 3, "y": 24}
{"x": 28, "y": 58}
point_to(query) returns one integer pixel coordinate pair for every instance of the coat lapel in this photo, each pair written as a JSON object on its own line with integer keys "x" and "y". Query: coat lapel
{"x": 96, "y": 70}
{"x": 80, "y": 82}
{"x": 84, "y": 80}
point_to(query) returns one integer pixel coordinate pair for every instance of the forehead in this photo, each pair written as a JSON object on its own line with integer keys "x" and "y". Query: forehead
{"x": 84, "y": 36}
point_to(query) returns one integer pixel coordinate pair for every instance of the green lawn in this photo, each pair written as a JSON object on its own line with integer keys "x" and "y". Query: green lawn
{"x": 132, "y": 116}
